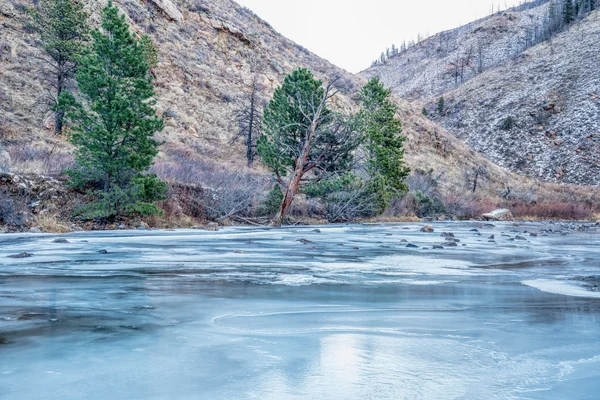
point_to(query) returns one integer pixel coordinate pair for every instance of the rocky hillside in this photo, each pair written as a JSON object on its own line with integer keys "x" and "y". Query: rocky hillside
{"x": 447, "y": 59}
{"x": 207, "y": 49}
{"x": 534, "y": 111}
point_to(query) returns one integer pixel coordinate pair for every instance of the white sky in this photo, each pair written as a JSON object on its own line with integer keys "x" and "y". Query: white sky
{"x": 352, "y": 33}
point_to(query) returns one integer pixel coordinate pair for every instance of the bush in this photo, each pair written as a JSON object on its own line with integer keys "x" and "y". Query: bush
{"x": 272, "y": 202}
{"x": 507, "y": 123}
{"x": 13, "y": 209}
{"x": 137, "y": 198}
{"x": 224, "y": 193}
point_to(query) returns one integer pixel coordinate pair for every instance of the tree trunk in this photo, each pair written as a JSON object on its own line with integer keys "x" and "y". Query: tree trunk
{"x": 249, "y": 147}
{"x": 59, "y": 115}
{"x": 288, "y": 198}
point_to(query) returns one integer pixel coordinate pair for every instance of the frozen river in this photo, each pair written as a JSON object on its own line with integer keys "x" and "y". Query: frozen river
{"x": 349, "y": 313}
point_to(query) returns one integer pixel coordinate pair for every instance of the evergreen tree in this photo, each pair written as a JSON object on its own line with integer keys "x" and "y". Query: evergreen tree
{"x": 568, "y": 12}
{"x": 303, "y": 141}
{"x": 62, "y": 26}
{"x": 115, "y": 124}
{"x": 441, "y": 106}
{"x": 384, "y": 142}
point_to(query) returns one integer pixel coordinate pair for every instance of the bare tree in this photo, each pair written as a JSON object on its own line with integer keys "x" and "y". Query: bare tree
{"x": 249, "y": 114}
{"x": 476, "y": 177}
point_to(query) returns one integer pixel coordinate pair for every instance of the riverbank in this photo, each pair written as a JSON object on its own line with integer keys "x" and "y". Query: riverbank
{"x": 36, "y": 203}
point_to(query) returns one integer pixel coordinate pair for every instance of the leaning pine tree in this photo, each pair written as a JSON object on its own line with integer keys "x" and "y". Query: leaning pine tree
{"x": 303, "y": 142}
{"x": 384, "y": 143}
{"x": 115, "y": 121}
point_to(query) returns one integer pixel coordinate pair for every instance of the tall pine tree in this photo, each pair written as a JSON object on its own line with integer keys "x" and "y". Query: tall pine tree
{"x": 384, "y": 142}
{"x": 568, "y": 12}
{"x": 115, "y": 123}
{"x": 62, "y": 26}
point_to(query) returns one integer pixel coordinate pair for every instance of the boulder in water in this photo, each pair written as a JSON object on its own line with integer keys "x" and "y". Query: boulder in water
{"x": 20, "y": 255}
{"x": 501, "y": 214}
{"x": 427, "y": 228}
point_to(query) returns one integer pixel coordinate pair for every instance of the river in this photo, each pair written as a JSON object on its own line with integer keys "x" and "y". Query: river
{"x": 337, "y": 312}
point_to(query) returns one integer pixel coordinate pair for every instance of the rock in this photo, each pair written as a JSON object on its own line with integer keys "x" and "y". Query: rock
{"x": 21, "y": 255}
{"x": 60, "y": 240}
{"x": 427, "y": 228}
{"x": 438, "y": 247}
{"x": 474, "y": 230}
{"x": 519, "y": 238}
{"x": 304, "y": 241}
{"x": 534, "y": 234}
{"x": 238, "y": 251}
{"x": 121, "y": 226}
{"x": 36, "y": 229}
{"x": 143, "y": 226}
{"x": 213, "y": 227}
{"x": 447, "y": 234}
{"x": 449, "y": 244}
{"x": 169, "y": 9}
{"x": 404, "y": 241}
{"x": 4, "y": 160}
{"x": 598, "y": 223}
{"x": 501, "y": 214}
{"x": 316, "y": 230}
{"x": 488, "y": 225}
{"x": 103, "y": 251}
{"x": 412, "y": 246}
{"x": 492, "y": 237}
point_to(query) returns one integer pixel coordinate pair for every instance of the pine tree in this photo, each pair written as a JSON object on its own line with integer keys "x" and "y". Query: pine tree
{"x": 384, "y": 142}
{"x": 303, "y": 141}
{"x": 568, "y": 12}
{"x": 62, "y": 27}
{"x": 115, "y": 123}
{"x": 441, "y": 106}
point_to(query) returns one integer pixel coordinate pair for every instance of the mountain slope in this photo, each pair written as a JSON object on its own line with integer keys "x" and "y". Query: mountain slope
{"x": 535, "y": 112}
{"x": 206, "y": 50}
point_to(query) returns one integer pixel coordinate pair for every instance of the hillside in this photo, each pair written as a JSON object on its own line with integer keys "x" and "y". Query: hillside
{"x": 532, "y": 109}
{"x": 206, "y": 50}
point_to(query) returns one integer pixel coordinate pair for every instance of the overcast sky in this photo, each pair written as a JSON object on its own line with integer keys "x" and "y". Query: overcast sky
{"x": 352, "y": 33}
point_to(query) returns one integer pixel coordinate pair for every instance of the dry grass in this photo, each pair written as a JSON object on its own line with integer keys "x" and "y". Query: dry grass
{"x": 51, "y": 223}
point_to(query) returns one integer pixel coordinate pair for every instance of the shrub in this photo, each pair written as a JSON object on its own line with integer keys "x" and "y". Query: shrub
{"x": 223, "y": 193}
{"x": 13, "y": 208}
{"x": 272, "y": 202}
{"x": 507, "y": 123}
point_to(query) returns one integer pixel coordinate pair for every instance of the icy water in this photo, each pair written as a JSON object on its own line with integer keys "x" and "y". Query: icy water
{"x": 256, "y": 314}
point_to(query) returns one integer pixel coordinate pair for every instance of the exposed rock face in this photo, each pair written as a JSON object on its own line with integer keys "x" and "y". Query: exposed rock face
{"x": 169, "y": 9}
{"x": 498, "y": 215}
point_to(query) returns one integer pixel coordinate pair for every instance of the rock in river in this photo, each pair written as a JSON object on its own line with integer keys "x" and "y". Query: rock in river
{"x": 427, "y": 228}
{"x": 501, "y": 214}
{"x": 20, "y": 255}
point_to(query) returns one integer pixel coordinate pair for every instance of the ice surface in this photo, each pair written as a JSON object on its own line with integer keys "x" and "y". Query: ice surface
{"x": 255, "y": 314}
